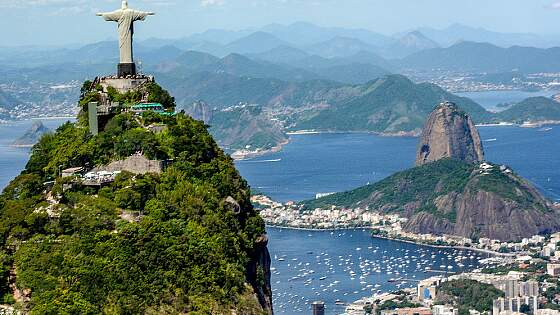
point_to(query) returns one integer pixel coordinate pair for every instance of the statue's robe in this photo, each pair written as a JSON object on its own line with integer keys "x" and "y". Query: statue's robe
{"x": 126, "y": 19}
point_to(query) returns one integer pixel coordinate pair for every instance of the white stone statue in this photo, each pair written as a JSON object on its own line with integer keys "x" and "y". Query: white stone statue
{"x": 126, "y": 18}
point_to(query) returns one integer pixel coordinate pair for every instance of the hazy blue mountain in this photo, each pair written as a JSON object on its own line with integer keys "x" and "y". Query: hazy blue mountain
{"x": 352, "y": 73}
{"x": 484, "y": 57}
{"x": 339, "y": 47}
{"x": 281, "y": 54}
{"x": 202, "y": 46}
{"x": 359, "y": 68}
{"x": 305, "y": 34}
{"x": 234, "y": 64}
{"x": 309, "y": 68}
{"x": 195, "y": 59}
{"x": 222, "y": 90}
{"x": 189, "y": 61}
{"x": 371, "y": 58}
{"x": 242, "y": 66}
{"x": 458, "y": 32}
{"x": 408, "y": 44}
{"x": 32, "y": 135}
{"x": 219, "y": 36}
{"x": 158, "y": 55}
{"x": 255, "y": 43}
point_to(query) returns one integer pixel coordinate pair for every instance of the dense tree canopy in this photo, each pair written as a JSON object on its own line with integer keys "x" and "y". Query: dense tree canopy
{"x": 76, "y": 250}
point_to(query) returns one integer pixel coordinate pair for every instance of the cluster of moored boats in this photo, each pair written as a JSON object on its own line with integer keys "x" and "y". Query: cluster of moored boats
{"x": 299, "y": 280}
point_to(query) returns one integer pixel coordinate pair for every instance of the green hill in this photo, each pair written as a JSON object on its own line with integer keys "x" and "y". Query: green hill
{"x": 186, "y": 240}
{"x": 246, "y": 127}
{"x": 390, "y": 104}
{"x": 532, "y": 109}
{"x": 456, "y": 198}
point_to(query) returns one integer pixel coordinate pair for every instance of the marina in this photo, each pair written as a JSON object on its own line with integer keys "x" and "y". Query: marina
{"x": 309, "y": 266}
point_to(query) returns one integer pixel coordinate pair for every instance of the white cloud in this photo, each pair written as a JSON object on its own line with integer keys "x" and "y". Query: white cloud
{"x": 207, "y": 3}
{"x": 555, "y": 5}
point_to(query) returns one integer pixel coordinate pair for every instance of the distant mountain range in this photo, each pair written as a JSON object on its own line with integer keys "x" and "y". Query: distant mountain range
{"x": 457, "y": 32}
{"x": 484, "y": 57}
{"x": 323, "y": 78}
{"x": 392, "y": 105}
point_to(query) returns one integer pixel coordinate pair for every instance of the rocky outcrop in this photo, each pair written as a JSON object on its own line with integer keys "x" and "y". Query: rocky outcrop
{"x": 199, "y": 110}
{"x": 449, "y": 193}
{"x": 137, "y": 164}
{"x": 487, "y": 213}
{"x": 258, "y": 274}
{"x": 493, "y": 204}
{"x": 32, "y": 135}
{"x": 449, "y": 133}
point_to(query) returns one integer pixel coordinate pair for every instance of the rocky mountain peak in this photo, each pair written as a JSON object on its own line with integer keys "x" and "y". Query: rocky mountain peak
{"x": 449, "y": 133}
{"x": 32, "y": 135}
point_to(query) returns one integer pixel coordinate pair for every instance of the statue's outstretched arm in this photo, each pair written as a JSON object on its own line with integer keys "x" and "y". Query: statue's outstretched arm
{"x": 111, "y": 16}
{"x": 139, "y": 15}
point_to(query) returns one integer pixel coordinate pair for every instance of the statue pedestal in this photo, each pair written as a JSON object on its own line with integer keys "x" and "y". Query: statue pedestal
{"x": 122, "y": 84}
{"x": 125, "y": 69}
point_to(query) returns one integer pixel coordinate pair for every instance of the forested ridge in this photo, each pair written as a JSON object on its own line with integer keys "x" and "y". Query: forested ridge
{"x": 190, "y": 247}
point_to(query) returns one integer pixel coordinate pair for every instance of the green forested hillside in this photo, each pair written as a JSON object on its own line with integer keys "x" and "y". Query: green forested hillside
{"x": 468, "y": 295}
{"x": 395, "y": 192}
{"x": 390, "y": 104}
{"x": 424, "y": 185}
{"x": 456, "y": 198}
{"x": 532, "y": 109}
{"x": 246, "y": 127}
{"x": 164, "y": 243}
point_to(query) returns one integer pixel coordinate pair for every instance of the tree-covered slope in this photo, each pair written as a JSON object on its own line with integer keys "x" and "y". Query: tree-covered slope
{"x": 246, "y": 127}
{"x": 186, "y": 240}
{"x": 532, "y": 109}
{"x": 452, "y": 197}
{"x": 468, "y": 295}
{"x": 390, "y": 104}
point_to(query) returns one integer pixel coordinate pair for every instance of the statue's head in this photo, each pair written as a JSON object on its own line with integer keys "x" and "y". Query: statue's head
{"x": 124, "y": 5}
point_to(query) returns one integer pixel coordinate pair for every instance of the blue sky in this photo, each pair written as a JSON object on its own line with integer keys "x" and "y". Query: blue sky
{"x": 56, "y": 22}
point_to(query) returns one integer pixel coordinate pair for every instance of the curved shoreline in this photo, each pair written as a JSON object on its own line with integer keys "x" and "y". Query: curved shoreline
{"x": 486, "y": 251}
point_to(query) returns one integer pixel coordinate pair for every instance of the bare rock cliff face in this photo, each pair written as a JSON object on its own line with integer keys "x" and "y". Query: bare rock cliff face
{"x": 199, "y": 110}
{"x": 483, "y": 213}
{"x": 486, "y": 213}
{"x": 449, "y": 133}
{"x": 258, "y": 274}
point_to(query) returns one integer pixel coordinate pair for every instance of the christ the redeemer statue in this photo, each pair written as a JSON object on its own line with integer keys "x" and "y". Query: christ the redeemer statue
{"x": 126, "y": 18}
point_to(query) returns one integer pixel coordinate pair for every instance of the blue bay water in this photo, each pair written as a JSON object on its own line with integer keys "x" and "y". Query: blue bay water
{"x": 323, "y": 163}
{"x": 348, "y": 265}
{"x": 13, "y": 160}
{"x": 489, "y": 99}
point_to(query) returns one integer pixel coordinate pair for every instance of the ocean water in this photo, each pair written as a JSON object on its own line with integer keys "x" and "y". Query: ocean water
{"x": 313, "y": 164}
{"x": 489, "y": 99}
{"x": 323, "y": 163}
{"x": 348, "y": 265}
{"x": 13, "y": 160}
